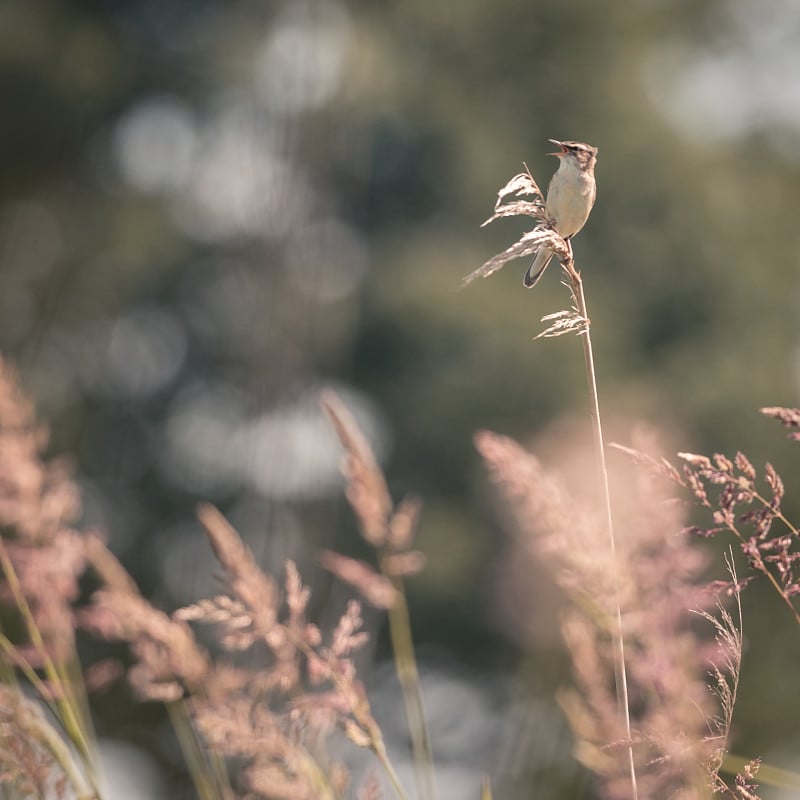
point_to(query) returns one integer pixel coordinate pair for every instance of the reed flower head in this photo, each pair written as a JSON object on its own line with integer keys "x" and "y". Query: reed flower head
{"x": 38, "y": 506}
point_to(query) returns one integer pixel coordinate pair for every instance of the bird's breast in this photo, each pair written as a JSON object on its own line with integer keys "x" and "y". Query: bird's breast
{"x": 570, "y": 198}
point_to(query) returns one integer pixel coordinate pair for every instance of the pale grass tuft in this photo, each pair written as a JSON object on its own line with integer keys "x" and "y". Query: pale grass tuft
{"x": 528, "y": 245}
{"x": 169, "y": 659}
{"x": 248, "y": 583}
{"x": 230, "y": 615}
{"x": 356, "y": 734}
{"x": 271, "y": 719}
{"x": 347, "y": 636}
{"x": 748, "y": 506}
{"x": 562, "y": 322}
{"x": 38, "y": 504}
{"x": 266, "y": 716}
{"x": 366, "y": 486}
{"x": 27, "y": 767}
{"x": 658, "y": 584}
{"x": 42, "y": 557}
{"x": 724, "y": 673}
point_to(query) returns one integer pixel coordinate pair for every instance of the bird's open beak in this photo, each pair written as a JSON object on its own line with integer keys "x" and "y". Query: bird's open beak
{"x": 561, "y": 152}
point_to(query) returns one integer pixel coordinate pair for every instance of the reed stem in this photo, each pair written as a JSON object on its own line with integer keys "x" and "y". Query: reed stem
{"x": 620, "y": 673}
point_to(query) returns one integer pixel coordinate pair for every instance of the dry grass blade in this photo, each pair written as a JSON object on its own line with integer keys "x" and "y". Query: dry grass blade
{"x": 528, "y": 244}
{"x": 521, "y": 185}
{"x": 516, "y": 209}
{"x": 563, "y": 322}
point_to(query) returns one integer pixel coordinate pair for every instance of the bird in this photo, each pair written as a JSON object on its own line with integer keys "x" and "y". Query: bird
{"x": 570, "y": 197}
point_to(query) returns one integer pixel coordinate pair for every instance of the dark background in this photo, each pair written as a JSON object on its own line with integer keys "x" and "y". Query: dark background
{"x": 209, "y": 211}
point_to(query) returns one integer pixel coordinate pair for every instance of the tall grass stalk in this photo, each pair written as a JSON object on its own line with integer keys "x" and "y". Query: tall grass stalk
{"x": 408, "y": 676}
{"x": 576, "y": 287}
{"x": 390, "y": 529}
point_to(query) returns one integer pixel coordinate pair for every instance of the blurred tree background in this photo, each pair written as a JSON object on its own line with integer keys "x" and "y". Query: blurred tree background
{"x": 209, "y": 211}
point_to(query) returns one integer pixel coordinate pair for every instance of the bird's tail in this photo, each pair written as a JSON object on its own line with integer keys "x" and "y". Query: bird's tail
{"x": 537, "y": 268}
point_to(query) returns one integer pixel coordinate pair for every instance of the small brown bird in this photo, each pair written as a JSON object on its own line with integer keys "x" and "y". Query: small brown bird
{"x": 570, "y": 197}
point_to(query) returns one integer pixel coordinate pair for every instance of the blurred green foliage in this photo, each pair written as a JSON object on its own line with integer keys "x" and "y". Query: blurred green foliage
{"x": 207, "y": 211}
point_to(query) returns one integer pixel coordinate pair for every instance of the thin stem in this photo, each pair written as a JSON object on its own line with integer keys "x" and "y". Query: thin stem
{"x": 13, "y": 655}
{"x": 620, "y": 671}
{"x": 380, "y": 754}
{"x": 63, "y": 695}
{"x": 407, "y": 674}
{"x": 363, "y": 719}
{"x": 210, "y": 780}
{"x": 779, "y": 515}
{"x": 60, "y": 752}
